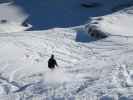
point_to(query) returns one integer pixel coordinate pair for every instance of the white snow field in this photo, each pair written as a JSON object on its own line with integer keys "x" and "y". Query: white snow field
{"x": 89, "y": 68}
{"x": 11, "y": 18}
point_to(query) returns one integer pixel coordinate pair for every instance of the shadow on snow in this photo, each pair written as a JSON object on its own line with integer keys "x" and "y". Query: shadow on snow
{"x": 46, "y": 14}
{"x": 83, "y": 37}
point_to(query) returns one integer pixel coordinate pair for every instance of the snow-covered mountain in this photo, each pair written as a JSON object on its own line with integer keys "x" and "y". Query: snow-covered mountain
{"x": 90, "y": 67}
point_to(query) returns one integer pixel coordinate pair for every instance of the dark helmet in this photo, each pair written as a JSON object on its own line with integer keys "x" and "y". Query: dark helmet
{"x": 52, "y": 56}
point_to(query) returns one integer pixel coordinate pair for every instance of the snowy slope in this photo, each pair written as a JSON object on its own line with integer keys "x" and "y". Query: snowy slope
{"x": 119, "y": 23}
{"x": 89, "y": 68}
{"x": 11, "y": 18}
{"x": 84, "y": 72}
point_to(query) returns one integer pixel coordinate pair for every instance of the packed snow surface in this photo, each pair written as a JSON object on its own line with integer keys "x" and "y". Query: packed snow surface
{"x": 92, "y": 69}
{"x": 89, "y": 68}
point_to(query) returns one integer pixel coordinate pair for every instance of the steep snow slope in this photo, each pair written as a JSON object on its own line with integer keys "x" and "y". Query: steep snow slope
{"x": 11, "y": 18}
{"x": 89, "y": 69}
{"x": 118, "y": 27}
{"x": 119, "y": 23}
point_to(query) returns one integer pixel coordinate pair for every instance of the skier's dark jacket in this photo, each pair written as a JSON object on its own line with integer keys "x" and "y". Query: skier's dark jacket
{"x": 52, "y": 63}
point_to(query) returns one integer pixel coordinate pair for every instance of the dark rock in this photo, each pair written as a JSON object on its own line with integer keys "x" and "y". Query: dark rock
{"x": 3, "y": 21}
{"x": 96, "y": 33}
{"x": 25, "y": 24}
{"x": 88, "y": 4}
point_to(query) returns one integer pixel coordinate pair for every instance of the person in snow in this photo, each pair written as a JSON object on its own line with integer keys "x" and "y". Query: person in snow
{"x": 52, "y": 62}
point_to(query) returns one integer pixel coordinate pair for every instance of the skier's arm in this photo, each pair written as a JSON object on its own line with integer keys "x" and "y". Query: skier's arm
{"x": 56, "y": 63}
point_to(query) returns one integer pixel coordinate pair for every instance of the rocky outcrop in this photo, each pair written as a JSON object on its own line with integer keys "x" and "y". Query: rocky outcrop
{"x": 96, "y": 33}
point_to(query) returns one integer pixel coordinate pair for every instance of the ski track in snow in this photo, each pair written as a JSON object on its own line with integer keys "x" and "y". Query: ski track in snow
{"x": 88, "y": 69}
{"x": 30, "y": 78}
